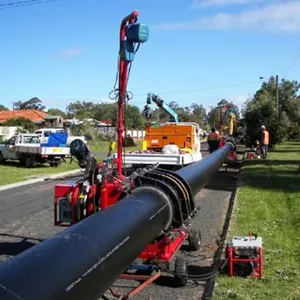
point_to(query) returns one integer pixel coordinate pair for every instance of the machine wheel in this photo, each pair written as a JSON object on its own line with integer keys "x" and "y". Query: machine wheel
{"x": 2, "y": 159}
{"x": 194, "y": 240}
{"x": 181, "y": 268}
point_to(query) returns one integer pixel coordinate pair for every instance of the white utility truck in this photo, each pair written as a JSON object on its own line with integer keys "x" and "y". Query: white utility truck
{"x": 170, "y": 145}
{"x": 28, "y": 149}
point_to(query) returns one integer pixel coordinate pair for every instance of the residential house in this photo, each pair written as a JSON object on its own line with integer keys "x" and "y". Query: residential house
{"x": 39, "y": 118}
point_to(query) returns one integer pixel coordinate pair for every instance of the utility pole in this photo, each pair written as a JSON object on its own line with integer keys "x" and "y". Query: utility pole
{"x": 277, "y": 97}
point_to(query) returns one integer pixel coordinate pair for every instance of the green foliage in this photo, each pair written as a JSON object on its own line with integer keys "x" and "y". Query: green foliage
{"x": 261, "y": 110}
{"x": 21, "y": 122}
{"x": 2, "y": 107}
{"x": 80, "y": 109}
{"x": 193, "y": 113}
{"x": 133, "y": 118}
{"x": 89, "y": 132}
{"x": 33, "y": 103}
{"x": 56, "y": 112}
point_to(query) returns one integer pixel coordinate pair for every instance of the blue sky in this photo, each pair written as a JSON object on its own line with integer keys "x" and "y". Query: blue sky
{"x": 66, "y": 50}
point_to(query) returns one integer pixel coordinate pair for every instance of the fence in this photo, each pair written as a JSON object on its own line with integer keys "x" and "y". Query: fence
{"x": 137, "y": 135}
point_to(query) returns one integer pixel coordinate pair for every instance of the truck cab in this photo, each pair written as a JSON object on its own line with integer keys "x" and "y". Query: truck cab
{"x": 8, "y": 150}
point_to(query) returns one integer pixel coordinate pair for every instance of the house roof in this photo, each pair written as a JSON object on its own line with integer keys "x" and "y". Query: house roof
{"x": 31, "y": 114}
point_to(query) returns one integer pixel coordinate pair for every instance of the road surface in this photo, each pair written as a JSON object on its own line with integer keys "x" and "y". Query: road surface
{"x": 26, "y": 218}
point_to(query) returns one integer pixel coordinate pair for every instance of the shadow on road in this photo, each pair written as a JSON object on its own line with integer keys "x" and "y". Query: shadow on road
{"x": 12, "y": 248}
{"x": 224, "y": 180}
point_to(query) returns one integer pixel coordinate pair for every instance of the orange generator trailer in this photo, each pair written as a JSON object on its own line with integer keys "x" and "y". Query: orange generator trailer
{"x": 185, "y": 135}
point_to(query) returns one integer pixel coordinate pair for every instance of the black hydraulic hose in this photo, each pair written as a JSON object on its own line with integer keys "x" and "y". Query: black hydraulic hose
{"x": 198, "y": 174}
{"x": 84, "y": 260}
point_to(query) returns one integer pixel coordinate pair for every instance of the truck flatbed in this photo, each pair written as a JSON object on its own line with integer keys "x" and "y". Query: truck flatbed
{"x": 43, "y": 151}
{"x": 160, "y": 158}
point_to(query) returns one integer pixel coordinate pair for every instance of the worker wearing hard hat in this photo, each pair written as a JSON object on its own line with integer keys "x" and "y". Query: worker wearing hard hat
{"x": 265, "y": 139}
{"x": 213, "y": 140}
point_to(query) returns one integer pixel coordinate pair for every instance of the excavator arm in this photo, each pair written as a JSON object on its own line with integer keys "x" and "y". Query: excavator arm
{"x": 161, "y": 104}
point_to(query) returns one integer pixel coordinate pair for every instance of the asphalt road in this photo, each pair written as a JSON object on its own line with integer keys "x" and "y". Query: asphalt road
{"x": 26, "y": 218}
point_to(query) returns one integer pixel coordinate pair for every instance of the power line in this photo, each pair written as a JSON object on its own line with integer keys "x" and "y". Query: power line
{"x": 24, "y": 3}
{"x": 203, "y": 89}
{"x": 293, "y": 62}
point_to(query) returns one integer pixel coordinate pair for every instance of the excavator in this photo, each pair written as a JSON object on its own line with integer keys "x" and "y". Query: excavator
{"x": 229, "y": 127}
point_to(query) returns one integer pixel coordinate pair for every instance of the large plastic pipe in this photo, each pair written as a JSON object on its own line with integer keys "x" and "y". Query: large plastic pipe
{"x": 83, "y": 261}
{"x": 198, "y": 174}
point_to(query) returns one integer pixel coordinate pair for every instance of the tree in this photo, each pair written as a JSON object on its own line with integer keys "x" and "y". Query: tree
{"x": 33, "y": 103}
{"x": 213, "y": 117}
{"x": 80, "y": 109}
{"x": 21, "y": 122}
{"x": 2, "y": 108}
{"x": 262, "y": 110}
{"x": 56, "y": 112}
{"x": 106, "y": 111}
{"x": 198, "y": 112}
{"x": 134, "y": 118}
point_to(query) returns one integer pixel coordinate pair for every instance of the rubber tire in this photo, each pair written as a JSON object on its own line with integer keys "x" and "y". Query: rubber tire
{"x": 34, "y": 161}
{"x": 2, "y": 159}
{"x": 181, "y": 268}
{"x": 23, "y": 160}
{"x": 28, "y": 161}
{"x": 194, "y": 240}
{"x": 54, "y": 164}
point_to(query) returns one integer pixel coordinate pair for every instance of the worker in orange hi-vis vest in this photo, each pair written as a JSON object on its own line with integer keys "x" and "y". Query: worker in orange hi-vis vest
{"x": 265, "y": 139}
{"x": 213, "y": 140}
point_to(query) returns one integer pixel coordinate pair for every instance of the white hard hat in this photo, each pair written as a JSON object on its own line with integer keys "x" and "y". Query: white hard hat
{"x": 263, "y": 127}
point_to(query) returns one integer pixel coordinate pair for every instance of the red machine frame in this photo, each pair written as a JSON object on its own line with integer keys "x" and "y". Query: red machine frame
{"x": 235, "y": 258}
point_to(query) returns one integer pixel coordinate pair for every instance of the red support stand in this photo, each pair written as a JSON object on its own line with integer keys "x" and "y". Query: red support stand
{"x": 245, "y": 250}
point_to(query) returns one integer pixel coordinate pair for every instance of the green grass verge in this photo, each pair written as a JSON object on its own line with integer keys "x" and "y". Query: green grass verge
{"x": 268, "y": 203}
{"x": 103, "y": 146}
{"x": 12, "y": 171}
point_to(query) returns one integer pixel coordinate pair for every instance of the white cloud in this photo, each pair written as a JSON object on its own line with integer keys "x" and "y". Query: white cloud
{"x": 66, "y": 53}
{"x": 208, "y": 3}
{"x": 281, "y": 17}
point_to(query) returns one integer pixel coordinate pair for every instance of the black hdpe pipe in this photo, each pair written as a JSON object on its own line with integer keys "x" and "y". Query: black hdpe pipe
{"x": 83, "y": 261}
{"x": 198, "y": 174}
